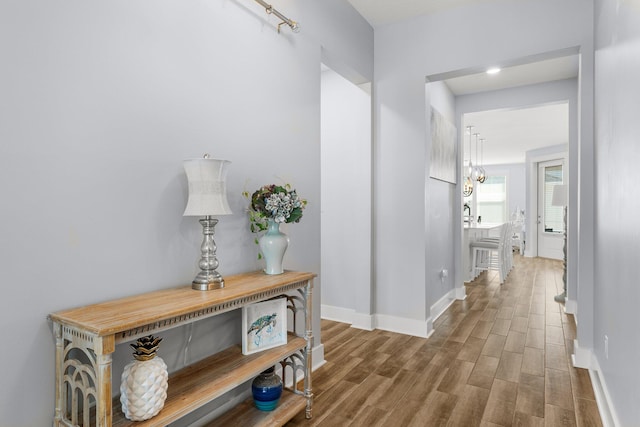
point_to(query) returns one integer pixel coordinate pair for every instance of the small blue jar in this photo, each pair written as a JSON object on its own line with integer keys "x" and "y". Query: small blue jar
{"x": 267, "y": 389}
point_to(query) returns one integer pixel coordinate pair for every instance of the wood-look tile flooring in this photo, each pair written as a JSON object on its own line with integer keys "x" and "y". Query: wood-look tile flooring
{"x": 499, "y": 358}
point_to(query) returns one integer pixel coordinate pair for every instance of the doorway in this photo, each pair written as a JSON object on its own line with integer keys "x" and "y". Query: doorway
{"x": 552, "y": 100}
{"x": 550, "y": 218}
{"x": 346, "y": 238}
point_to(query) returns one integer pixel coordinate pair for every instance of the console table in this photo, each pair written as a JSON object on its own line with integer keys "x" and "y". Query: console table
{"x": 86, "y": 338}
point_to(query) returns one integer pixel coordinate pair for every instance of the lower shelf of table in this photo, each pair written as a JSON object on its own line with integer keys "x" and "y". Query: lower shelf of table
{"x": 246, "y": 414}
{"x": 200, "y": 383}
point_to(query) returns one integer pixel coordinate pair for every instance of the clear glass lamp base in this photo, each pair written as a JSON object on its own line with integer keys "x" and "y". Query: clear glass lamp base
{"x": 208, "y": 278}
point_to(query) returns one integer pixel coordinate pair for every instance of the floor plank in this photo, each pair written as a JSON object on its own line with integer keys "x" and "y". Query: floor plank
{"x": 470, "y": 407}
{"x": 509, "y": 367}
{"x": 531, "y": 396}
{"x": 502, "y": 403}
{"x": 557, "y": 390}
{"x": 533, "y": 361}
{"x": 587, "y": 413}
{"x": 436, "y": 410}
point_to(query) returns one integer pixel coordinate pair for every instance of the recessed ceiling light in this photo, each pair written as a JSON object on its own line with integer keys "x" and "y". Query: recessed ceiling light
{"x": 493, "y": 70}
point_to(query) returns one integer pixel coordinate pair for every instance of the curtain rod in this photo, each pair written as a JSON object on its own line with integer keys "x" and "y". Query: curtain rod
{"x": 290, "y": 22}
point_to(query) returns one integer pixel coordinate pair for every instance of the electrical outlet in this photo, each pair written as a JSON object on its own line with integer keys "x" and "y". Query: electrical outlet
{"x": 444, "y": 274}
{"x": 606, "y": 347}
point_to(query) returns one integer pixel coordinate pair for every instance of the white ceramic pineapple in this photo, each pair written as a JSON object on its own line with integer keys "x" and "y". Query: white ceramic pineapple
{"x": 143, "y": 388}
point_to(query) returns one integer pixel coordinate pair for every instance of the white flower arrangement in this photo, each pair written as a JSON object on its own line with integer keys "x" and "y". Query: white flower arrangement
{"x": 274, "y": 202}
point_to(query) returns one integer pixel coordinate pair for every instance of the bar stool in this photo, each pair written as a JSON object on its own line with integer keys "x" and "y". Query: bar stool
{"x": 490, "y": 254}
{"x": 507, "y": 248}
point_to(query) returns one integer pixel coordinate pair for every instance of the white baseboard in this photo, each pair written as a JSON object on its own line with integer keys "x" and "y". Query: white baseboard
{"x": 585, "y": 358}
{"x": 363, "y": 321}
{"x": 347, "y": 315}
{"x": 401, "y": 325}
{"x": 443, "y": 304}
{"x": 461, "y": 293}
{"x": 603, "y": 398}
{"x": 581, "y": 357}
{"x": 571, "y": 306}
{"x": 317, "y": 357}
{"x": 440, "y": 307}
{"x": 337, "y": 314}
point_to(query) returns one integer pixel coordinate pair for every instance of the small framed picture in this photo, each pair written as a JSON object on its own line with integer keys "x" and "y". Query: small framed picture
{"x": 264, "y": 325}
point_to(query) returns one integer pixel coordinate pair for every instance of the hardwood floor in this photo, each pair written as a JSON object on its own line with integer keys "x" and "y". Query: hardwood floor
{"x": 499, "y": 358}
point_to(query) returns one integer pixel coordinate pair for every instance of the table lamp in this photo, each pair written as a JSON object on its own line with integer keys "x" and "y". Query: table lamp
{"x": 207, "y": 198}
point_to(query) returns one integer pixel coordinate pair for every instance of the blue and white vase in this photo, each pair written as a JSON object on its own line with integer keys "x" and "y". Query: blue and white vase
{"x": 273, "y": 244}
{"x": 267, "y": 389}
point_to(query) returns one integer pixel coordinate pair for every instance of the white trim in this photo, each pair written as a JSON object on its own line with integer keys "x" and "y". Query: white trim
{"x": 430, "y": 328}
{"x": 348, "y": 315}
{"x": 363, "y": 321}
{"x": 461, "y": 293}
{"x": 581, "y": 357}
{"x": 442, "y": 304}
{"x": 317, "y": 357}
{"x": 571, "y": 307}
{"x": 401, "y": 325}
{"x": 337, "y": 314}
{"x": 585, "y": 358}
{"x": 603, "y": 398}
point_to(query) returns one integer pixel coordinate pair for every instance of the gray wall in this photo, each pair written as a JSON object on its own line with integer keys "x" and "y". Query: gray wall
{"x": 617, "y": 230}
{"x": 404, "y": 54}
{"x": 440, "y": 223}
{"x": 101, "y": 102}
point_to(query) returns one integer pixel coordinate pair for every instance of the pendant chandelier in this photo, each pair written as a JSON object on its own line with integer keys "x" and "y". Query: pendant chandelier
{"x": 467, "y": 189}
{"x": 482, "y": 174}
{"x": 474, "y": 172}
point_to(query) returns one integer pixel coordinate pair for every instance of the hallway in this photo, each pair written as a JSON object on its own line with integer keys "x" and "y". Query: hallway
{"x": 499, "y": 358}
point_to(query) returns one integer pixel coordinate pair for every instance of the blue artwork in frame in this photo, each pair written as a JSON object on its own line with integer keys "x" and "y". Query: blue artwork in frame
{"x": 264, "y": 325}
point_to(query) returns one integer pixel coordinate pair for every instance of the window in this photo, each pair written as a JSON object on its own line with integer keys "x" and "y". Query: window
{"x": 553, "y": 215}
{"x": 492, "y": 199}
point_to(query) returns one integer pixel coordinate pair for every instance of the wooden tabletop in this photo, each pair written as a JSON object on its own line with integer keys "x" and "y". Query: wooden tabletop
{"x": 124, "y": 314}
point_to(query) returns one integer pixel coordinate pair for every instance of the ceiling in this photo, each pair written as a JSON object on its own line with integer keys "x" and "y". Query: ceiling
{"x": 508, "y": 133}
{"x": 511, "y": 133}
{"x": 383, "y": 12}
{"x": 547, "y": 70}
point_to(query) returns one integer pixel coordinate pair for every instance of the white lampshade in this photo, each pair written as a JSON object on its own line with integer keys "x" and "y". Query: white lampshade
{"x": 559, "y": 197}
{"x": 207, "y": 187}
